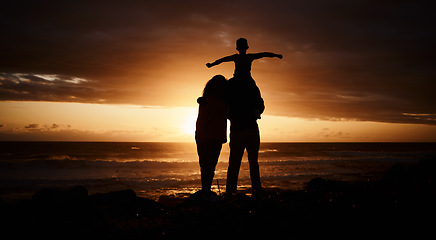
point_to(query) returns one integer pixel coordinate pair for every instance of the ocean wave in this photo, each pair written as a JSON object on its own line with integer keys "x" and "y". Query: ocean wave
{"x": 162, "y": 167}
{"x": 269, "y": 150}
{"x": 75, "y": 163}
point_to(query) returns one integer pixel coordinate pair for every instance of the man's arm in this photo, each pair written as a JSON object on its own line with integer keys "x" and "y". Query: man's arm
{"x": 266, "y": 54}
{"x": 221, "y": 60}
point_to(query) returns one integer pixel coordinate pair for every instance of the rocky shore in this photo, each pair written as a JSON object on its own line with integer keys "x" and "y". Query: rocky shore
{"x": 402, "y": 204}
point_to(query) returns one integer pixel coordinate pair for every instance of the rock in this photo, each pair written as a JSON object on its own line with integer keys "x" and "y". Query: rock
{"x": 203, "y": 198}
{"x": 50, "y": 196}
{"x": 395, "y": 173}
{"x": 171, "y": 201}
{"x": 119, "y": 197}
{"x": 317, "y": 185}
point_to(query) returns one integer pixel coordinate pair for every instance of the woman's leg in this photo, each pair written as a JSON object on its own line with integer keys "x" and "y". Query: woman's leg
{"x": 208, "y": 153}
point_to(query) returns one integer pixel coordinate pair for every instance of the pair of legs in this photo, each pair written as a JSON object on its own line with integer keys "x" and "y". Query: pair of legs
{"x": 208, "y": 154}
{"x": 239, "y": 141}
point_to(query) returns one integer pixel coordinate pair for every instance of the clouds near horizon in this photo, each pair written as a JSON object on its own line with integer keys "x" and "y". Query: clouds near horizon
{"x": 354, "y": 60}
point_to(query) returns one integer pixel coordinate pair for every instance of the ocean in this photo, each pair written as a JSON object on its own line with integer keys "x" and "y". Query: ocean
{"x": 155, "y": 169}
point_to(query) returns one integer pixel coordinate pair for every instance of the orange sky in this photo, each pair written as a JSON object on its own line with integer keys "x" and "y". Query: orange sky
{"x": 133, "y": 71}
{"x": 48, "y": 121}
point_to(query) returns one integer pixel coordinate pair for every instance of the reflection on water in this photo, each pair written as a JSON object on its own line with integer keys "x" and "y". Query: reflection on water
{"x": 153, "y": 169}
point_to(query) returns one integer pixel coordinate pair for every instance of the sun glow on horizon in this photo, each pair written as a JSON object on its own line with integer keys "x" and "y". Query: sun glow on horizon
{"x": 190, "y": 120}
{"x": 50, "y": 121}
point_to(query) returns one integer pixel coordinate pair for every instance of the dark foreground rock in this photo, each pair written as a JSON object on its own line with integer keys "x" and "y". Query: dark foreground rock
{"x": 400, "y": 205}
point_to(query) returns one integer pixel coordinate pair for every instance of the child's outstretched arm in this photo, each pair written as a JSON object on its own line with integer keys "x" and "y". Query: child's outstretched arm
{"x": 267, "y": 54}
{"x": 221, "y": 60}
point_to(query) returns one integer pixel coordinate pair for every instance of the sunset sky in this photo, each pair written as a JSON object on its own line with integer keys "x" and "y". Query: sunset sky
{"x": 132, "y": 70}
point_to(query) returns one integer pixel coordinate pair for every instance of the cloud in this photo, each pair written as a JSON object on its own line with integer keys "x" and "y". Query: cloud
{"x": 62, "y": 132}
{"x": 330, "y": 134}
{"x": 45, "y": 87}
{"x": 362, "y": 60}
{"x": 32, "y": 126}
{"x": 43, "y": 127}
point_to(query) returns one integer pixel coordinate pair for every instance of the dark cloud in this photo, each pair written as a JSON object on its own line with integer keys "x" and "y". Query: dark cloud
{"x": 362, "y": 60}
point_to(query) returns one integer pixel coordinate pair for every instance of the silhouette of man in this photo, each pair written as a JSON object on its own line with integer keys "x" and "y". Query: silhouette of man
{"x": 244, "y": 133}
{"x": 245, "y": 107}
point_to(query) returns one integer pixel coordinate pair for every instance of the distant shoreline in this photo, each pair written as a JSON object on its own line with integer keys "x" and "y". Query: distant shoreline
{"x": 193, "y": 141}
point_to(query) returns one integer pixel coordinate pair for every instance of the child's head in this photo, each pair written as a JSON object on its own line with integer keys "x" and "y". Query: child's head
{"x": 215, "y": 86}
{"x": 241, "y": 44}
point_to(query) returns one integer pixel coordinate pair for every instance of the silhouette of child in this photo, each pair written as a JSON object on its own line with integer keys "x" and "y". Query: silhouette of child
{"x": 242, "y": 74}
{"x": 211, "y": 128}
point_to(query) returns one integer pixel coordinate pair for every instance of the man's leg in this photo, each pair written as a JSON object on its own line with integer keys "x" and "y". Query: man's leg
{"x": 237, "y": 148}
{"x": 253, "y": 143}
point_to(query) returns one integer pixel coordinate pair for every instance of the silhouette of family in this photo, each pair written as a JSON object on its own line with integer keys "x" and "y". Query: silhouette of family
{"x": 239, "y": 100}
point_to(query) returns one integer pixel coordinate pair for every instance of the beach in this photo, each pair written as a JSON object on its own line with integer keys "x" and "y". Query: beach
{"x": 151, "y": 190}
{"x": 400, "y": 204}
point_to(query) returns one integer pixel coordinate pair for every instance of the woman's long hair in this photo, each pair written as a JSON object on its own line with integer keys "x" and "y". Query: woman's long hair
{"x": 216, "y": 86}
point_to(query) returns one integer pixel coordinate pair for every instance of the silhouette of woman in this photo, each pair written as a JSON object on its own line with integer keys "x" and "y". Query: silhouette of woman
{"x": 211, "y": 128}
